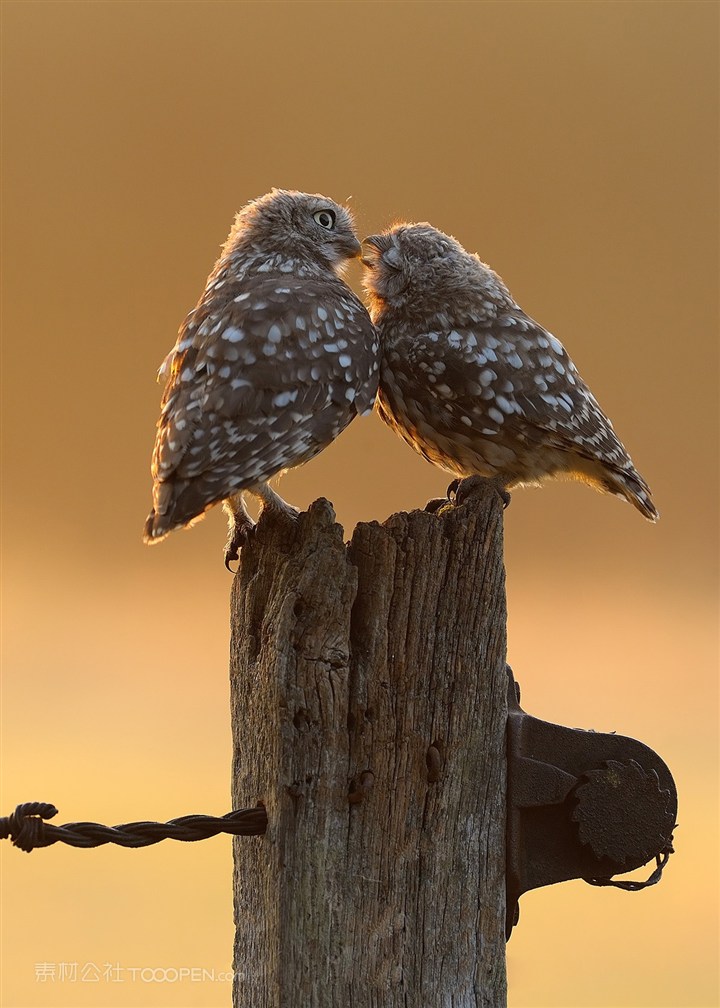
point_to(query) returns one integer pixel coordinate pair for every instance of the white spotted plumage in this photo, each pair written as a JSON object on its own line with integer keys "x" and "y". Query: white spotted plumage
{"x": 257, "y": 382}
{"x": 474, "y": 384}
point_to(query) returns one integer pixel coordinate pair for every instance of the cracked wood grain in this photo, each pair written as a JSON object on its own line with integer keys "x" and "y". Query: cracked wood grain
{"x": 368, "y": 707}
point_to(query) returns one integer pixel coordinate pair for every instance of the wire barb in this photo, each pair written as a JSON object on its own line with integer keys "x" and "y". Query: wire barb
{"x": 26, "y": 829}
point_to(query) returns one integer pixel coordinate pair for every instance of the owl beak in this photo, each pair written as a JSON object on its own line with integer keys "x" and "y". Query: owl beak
{"x": 348, "y": 246}
{"x": 378, "y": 242}
{"x": 373, "y": 249}
{"x": 354, "y": 247}
{"x": 382, "y": 249}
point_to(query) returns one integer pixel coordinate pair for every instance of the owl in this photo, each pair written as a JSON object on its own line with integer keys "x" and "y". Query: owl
{"x": 274, "y": 361}
{"x": 474, "y": 384}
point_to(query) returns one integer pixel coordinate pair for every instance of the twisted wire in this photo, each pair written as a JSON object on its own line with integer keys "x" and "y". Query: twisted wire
{"x": 26, "y": 828}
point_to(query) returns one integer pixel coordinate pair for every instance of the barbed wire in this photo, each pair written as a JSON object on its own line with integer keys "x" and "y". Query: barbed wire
{"x": 27, "y": 829}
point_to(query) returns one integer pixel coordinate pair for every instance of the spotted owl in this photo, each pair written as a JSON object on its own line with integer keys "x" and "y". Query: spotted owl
{"x": 275, "y": 360}
{"x": 475, "y": 385}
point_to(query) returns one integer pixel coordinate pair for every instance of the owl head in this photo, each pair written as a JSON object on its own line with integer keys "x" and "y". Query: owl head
{"x": 420, "y": 270}
{"x": 297, "y": 226}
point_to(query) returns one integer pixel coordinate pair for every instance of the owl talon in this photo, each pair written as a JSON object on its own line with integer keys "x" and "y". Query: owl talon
{"x": 452, "y": 489}
{"x": 240, "y": 535}
{"x": 232, "y": 551}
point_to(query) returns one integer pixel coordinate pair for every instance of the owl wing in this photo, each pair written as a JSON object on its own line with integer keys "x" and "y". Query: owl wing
{"x": 282, "y": 350}
{"x": 550, "y": 403}
{"x": 262, "y": 377}
{"x": 512, "y": 378}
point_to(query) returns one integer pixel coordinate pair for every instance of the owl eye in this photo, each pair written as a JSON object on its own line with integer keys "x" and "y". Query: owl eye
{"x": 325, "y": 218}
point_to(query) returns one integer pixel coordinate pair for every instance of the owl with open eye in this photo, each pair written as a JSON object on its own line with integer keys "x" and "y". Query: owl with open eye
{"x": 275, "y": 360}
{"x": 472, "y": 383}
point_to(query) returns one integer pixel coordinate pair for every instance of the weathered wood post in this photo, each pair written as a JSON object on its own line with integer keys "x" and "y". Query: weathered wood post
{"x": 369, "y": 708}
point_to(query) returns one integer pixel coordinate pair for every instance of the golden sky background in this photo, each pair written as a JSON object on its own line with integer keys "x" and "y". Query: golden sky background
{"x": 574, "y": 147}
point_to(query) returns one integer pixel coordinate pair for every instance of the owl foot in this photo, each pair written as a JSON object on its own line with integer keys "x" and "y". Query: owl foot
{"x": 273, "y": 501}
{"x": 240, "y": 534}
{"x": 240, "y": 528}
{"x": 465, "y": 488}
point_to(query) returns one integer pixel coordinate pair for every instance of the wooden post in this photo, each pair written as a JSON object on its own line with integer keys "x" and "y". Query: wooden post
{"x": 368, "y": 709}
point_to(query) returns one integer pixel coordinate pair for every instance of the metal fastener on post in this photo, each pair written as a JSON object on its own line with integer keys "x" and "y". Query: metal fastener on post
{"x": 581, "y": 804}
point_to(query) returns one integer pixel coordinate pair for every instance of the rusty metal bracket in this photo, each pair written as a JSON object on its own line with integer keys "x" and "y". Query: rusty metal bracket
{"x": 581, "y": 804}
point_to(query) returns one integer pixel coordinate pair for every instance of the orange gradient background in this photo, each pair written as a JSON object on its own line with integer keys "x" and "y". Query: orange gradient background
{"x": 574, "y": 147}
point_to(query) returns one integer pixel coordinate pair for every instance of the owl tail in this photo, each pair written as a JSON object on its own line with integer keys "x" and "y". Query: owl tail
{"x": 159, "y": 526}
{"x": 629, "y": 484}
{"x": 162, "y": 519}
{"x": 155, "y": 529}
{"x": 178, "y": 504}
